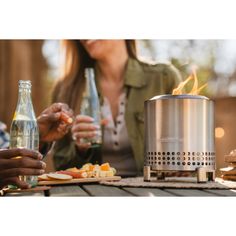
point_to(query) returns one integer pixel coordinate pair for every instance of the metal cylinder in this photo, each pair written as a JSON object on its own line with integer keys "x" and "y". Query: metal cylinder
{"x": 179, "y": 133}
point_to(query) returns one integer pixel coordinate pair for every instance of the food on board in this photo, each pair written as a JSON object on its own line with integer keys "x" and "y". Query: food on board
{"x": 74, "y": 175}
{"x": 43, "y": 177}
{"x": 66, "y": 118}
{"x": 59, "y": 176}
{"x": 88, "y": 170}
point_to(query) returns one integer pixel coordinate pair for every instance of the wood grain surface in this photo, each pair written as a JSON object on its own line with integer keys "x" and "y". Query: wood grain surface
{"x": 76, "y": 181}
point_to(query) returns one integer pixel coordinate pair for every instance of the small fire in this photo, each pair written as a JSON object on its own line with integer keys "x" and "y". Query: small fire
{"x": 195, "y": 90}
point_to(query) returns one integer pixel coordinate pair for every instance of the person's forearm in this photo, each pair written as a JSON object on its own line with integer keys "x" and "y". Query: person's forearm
{"x": 45, "y": 147}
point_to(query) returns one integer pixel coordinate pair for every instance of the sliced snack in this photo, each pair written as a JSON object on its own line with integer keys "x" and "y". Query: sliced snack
{"x": 96, "y": 168}
{"x": 89, "y": 174}
{"x": 43, "y": 177}
{"x": 110, "y": 173}
{"x": 59, "y": 176}
{"x": 74, "y": 169}
{"x": 91, "y": 167}
{"x": 105, "y": 166}
{"x": 102, "y": 174}
{"x": 66, "y": 118}
{"x": 74, "y": 175}
{"x": 113, "y": 170}
{"x": 87, "y": 166}
{"x": 97, "y": 171}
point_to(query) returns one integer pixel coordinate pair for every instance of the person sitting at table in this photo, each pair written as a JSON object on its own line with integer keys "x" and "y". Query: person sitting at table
{"x": 51, "y": 128}
{"x": 124, "y": 82}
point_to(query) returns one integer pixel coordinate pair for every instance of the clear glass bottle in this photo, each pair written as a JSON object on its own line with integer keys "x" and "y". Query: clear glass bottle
{"x": 24, "y": 129}
{"x": 90, "y": 106}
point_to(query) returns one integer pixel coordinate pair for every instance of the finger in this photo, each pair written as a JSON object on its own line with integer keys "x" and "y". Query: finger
{"x": 84, "y": 134}
{"x": 15, "y": 181}
{"x": 83, "y": 118}
{"x": 14, "y": 172}
{"x": 24, "y": 162}
{"x": 56, "y": 107}
{"x": 84, "y": 127}
{"x": 15, "y": 152}
{"x": 68, "y": 111}
{"x": 66, "y": 118}
{"x": 50, "y": 117}
{"x": 56, "y": 116}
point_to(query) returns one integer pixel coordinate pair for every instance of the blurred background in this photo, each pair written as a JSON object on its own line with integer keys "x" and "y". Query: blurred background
{"x": 215, "y": 60}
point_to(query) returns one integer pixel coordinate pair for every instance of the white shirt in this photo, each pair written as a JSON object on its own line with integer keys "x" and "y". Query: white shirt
{"x": 116, "y": 145}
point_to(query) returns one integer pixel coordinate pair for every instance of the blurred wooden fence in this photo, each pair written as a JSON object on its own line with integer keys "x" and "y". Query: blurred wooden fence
{"x": 21, "y": 60}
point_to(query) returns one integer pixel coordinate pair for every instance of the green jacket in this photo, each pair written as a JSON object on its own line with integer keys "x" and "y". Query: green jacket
{"x": 142, "y": 82}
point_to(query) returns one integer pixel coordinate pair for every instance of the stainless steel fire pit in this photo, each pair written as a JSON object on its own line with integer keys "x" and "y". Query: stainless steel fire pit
{"x": 179, "y": 136}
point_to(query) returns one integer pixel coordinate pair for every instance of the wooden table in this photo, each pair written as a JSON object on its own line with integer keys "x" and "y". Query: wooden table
{"x": 85, "y": 190}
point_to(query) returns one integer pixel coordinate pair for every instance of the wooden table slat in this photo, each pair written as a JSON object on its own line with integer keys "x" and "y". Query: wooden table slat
{"x": 221, "y": 192}
{"x": 148, "y": 192}
{"x": 31, "y": 192}
{"x": 189, "y": 192}
{"x": 67, "y": 191}
{"x": 100, "y": 190}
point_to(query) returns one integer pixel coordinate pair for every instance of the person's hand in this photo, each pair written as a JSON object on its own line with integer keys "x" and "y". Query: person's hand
{"x": 25, "y": 162}
{"x": 54, "y": 122}
{"x": 83, "y": 127}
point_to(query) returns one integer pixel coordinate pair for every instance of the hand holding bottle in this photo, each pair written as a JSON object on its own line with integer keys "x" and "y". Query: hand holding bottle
{"x": 54, "y": 122}
{"x": 29, "y": 164}
{"x": 84, "y": 128}
{"x": 24, "y": 129}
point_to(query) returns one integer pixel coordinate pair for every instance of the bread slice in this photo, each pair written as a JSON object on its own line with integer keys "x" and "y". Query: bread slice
{"x": 59, "y": 176}
{"x": 43, "y": 177}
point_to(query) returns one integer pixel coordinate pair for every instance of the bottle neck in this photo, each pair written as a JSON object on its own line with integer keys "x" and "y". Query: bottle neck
{"x": 90, "y": 86}
{"x": 24, "y": 109}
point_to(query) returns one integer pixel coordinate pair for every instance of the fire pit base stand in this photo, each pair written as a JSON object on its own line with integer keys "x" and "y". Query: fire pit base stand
{"x": 204, "y": 174}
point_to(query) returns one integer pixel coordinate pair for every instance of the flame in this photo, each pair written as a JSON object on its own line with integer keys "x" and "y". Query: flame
{"x": 194, "y": 91}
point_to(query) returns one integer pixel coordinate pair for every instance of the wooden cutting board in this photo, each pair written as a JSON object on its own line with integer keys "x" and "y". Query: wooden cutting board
{"x": 81, "y": 180}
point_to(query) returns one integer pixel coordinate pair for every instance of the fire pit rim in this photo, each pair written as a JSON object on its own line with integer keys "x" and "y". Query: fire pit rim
{"x": 183, "y": 96}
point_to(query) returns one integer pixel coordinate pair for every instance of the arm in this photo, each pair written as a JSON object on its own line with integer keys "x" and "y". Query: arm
{"x": 54, "y": 122}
